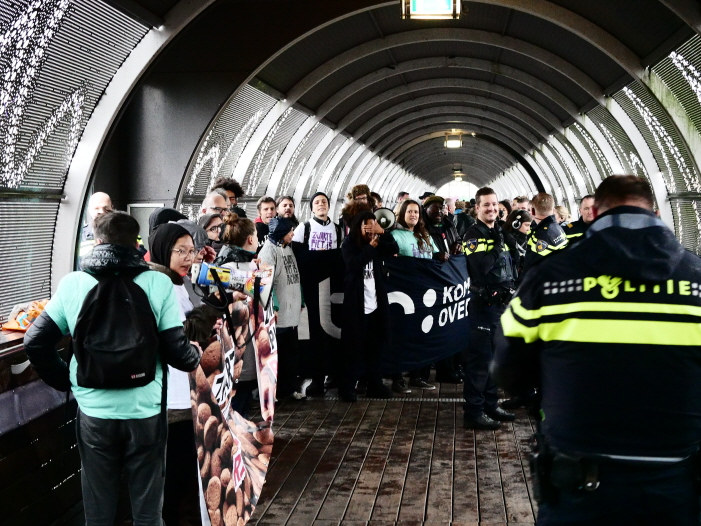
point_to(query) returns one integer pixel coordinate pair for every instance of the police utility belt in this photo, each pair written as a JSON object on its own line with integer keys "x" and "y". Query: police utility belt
{"x": 554, "y": 470}
{"x": 490, "y": 296}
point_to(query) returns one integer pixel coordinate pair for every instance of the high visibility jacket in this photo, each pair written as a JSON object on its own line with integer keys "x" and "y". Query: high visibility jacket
{"x": 575, "y": 231}
{"x": 489, "y": 251}
{"x": 610, "y": 332}
{"x": 544, "y": 239}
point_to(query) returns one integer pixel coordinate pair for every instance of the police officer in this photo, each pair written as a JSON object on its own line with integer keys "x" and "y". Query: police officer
{"x": 609, "y": 332}
{"x": 546, "y": 236}
{"x": 575, "y": 230}
{"x": 492, "y": 260}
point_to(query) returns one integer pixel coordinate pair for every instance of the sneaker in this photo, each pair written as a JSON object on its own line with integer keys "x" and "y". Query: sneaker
{"x": 481, "y": 422}
{"x": 501, "y": 415}
{"x": 379, "y": 391}
{"x": 299, "y": 396}
{"x": 399, "y": 386}
{"x": 421, "y": 384}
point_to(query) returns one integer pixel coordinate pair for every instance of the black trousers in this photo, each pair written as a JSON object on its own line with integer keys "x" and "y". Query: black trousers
{"x": 108, "y": 447}
{"x": 181, "y": 494}
{"x": 241, "y": 402}
{"x": 629, "y": 494}
{"x": 479, "y": 389}
{"x": 288, "y": 361}
{"x": 367, "y": 358}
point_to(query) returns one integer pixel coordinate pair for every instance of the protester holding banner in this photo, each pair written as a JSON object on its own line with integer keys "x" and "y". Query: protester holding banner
{"x": 287, "y": 297}
{"x": 445, "y": 235}
{"x": 414, "y": 241}
{"x": 492, "y": 260}
{"x": 410, "y": 233}
{"x": 173, "y": 253}
{"x": 365, "y": 331}
{"x": 315, "y": 244}
{"x": 240, "y": 247}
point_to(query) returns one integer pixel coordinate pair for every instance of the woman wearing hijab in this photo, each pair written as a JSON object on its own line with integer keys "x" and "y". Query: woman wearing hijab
{"x": 172, "y": 253}
{"x": 365, "y": 330}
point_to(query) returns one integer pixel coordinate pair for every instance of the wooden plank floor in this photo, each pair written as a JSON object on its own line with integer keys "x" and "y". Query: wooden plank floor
{"x": 406, "y": 461}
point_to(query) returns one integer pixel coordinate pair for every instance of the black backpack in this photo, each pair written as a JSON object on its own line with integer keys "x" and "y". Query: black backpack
{"x": 115, "y": 341}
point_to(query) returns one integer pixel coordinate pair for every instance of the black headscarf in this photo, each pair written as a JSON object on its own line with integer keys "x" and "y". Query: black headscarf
{"x": 162, "y": 241}
{"x": 161, "y": 216}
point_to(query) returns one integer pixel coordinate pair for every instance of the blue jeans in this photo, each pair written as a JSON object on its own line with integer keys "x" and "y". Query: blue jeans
{"x": 108, "y": 447}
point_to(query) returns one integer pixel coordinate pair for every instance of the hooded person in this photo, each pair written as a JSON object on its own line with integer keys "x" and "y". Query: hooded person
{"x": 287, "y": 298}
{"x": 160, "y": 216}
{"x": 172, "y": 253}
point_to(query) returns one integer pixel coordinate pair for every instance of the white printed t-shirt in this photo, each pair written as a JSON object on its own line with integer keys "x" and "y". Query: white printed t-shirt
{"x": 321, "y": 237}
{"x": 370, "y": 291}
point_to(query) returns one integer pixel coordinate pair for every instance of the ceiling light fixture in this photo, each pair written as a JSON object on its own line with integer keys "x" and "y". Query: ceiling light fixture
{"x": 453, "y": 141}
{"x": 431, "y": 9}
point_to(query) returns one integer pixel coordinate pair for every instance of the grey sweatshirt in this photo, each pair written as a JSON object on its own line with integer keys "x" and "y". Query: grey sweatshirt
{"x": 286, "y": 283}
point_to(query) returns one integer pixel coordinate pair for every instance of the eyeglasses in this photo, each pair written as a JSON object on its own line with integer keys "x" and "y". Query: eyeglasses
{"x": 218, "y": 209}
{"x": 214, "y": 228}
{"x": 185, "y": 253}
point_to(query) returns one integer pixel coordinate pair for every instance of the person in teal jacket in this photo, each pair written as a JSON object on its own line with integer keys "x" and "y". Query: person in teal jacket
{"x": 414, "y": 241}
{"x": 411, "y": 234}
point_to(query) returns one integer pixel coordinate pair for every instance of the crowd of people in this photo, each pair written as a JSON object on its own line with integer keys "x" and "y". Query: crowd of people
{"x": 503, "y": 241}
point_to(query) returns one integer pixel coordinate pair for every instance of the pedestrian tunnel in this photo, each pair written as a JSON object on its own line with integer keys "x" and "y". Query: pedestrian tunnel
{"x": 150, "y": 100}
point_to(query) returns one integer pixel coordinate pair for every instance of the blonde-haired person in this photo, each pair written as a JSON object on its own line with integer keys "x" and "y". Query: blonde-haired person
{"x": 562, "y": 215}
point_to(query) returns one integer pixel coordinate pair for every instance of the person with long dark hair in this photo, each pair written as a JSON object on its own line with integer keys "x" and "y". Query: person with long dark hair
{"x": 365, "y": 331}
{"x": 414, "y": 241}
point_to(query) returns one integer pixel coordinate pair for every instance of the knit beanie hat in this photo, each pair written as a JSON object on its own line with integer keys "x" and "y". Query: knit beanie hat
{"x": 279, "y": 227}
{"x": 311, "y": 201}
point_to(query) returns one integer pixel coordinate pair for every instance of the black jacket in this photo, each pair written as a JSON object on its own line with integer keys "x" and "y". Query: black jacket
{"x": 42, "y": 337}
{"x": 233, "y": 254}
{"x": 486, "y": 249}
{"x": 462, "y": 222}
{"x": 444, "y": 234}
{"x": 610, "y": 332}
{"x": 575, "y": 231}
{"x": 544, "y": 239}
{"x": 356, "y": 259}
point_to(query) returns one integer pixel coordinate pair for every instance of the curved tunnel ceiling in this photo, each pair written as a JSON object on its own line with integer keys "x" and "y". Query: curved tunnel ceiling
{"x": 558, "y": 93}
{"x": 517, "y": 74}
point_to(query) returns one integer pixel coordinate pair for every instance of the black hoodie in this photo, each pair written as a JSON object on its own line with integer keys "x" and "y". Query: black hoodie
{"x": 610, "y": 331}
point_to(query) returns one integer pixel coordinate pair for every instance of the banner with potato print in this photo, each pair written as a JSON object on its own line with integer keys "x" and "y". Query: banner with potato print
{"x": 233, "y": 453}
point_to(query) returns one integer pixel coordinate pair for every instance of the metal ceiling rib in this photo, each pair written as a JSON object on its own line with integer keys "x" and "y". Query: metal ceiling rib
{"x": 463, "y": 123}
{"x": 494, "y": 120}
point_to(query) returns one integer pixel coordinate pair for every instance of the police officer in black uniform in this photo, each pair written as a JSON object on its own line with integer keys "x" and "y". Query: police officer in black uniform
{"x": 609, "y": 333}
{"x": 574, "y": 231}
{"x": 492, "y": 260}
{"x": 546, "y": 236}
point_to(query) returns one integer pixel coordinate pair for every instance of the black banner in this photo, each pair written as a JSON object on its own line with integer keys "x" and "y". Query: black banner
{"x": 321, "y": 273}
{"x": 428, "y": 311}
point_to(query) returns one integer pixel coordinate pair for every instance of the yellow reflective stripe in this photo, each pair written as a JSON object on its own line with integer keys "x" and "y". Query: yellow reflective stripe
{"x": 515, "y": 329}
{"x": 603, "y": 306}
{"x": 483, "y": 245}
{"x": 635, "y": 332}
{"x": 570, "y": 236}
